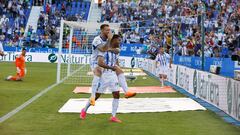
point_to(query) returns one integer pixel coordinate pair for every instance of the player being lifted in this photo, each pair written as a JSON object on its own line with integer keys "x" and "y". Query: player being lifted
{"x": 109, "y": 61}
{"x": 163, "y": 63}
{"x": 20, "y": 65}
{"x": 101, "y": 44}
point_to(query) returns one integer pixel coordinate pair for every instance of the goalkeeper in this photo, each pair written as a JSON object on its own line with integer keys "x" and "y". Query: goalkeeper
{"x": 21, "y": 69}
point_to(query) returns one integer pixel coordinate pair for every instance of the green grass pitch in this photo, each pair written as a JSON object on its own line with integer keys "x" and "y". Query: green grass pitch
{"x": 41, "y": 116}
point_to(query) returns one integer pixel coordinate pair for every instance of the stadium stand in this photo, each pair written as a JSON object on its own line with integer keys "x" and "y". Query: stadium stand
{"x": 148, "y": 24}
{"x": 49, "y": 21}
{"x": 47, "y": 35}
{"x": 221, "y": 25}
{"x": 13, "y": 18}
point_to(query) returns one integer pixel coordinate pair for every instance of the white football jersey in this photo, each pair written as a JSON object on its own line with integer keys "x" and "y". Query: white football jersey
{"x": 110, "y": 58}
{"x": 97, "y": 42}
{"x": 109, "y": 79}
{"x": 163, "y": 59}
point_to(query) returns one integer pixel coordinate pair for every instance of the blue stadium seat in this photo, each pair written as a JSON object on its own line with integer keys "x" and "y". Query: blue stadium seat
{"x": 73, "y": 4}
{"x": 59, "y": 6}
{"x": 83, "y": 5}
{"x": 65, "y": 3}
{"x": 78, "y": 4}
{"x": 68, "y": 12}
{"x": 88, "y": 4}
{"x": 73, "y": 11}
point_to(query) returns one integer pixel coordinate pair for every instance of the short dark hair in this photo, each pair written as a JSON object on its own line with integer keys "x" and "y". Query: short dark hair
{"x": 116, "y": 36}
{"x": 103, "y": 26}
{"x": 24, "y": 49}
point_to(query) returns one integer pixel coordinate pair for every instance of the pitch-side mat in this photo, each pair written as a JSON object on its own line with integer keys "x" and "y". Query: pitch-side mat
{"x": 133, "y": 105}
{"x": 146, "y": 89}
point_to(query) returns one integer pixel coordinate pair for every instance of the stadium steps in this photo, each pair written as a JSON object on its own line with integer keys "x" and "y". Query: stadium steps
{"x": 94, "y": 12}
{"x": 33, "y": 18}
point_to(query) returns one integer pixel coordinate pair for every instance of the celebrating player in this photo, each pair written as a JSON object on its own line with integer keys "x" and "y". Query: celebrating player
{"x": 100, "y": 45}
{"x": 163, "y": 63}
{"x": 109, "y": 79}
{"x": 21, "y": 69}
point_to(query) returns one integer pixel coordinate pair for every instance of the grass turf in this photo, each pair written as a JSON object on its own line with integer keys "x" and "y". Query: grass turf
{"x": 41, "y": 117}
{"x": 13, "y": 94}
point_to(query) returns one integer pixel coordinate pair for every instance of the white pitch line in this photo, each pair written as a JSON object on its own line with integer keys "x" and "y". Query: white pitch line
{"x": 16, "y": 110}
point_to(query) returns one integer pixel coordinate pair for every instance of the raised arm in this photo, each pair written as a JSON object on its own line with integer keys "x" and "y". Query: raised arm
{"x": 105, "y": 47}
{"x": 114, "y": 50}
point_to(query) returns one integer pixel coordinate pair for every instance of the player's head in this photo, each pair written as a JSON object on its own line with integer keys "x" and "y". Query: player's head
{"x": 105, "y": 29}
{"x": 116, "y": 40}
{"x": 23, "y": 51}
{"x": 161, "y": 49}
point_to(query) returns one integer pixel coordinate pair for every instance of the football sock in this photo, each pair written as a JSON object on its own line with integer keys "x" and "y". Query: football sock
{"x": 123, "y": 83}
{"x": 115, "y": 103}
{"x": 95, "y": 85}
{"x": 87, "y": 106}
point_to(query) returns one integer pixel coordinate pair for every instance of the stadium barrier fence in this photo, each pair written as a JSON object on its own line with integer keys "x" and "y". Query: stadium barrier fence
{"x": 222, "y": 92}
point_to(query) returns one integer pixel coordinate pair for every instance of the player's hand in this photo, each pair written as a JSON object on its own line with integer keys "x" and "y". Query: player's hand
{"x": 114, "y": 50}
{"x": 115, "y": 68}
{"x": 110, "y": 35}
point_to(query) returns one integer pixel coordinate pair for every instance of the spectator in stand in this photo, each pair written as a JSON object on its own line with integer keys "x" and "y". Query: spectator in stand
{"x": 12, "y": 20}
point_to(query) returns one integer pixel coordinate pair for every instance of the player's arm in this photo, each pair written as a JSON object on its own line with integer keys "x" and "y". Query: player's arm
{"x": 117, "y": 63}
{"x": 97, "y": 44}
{"x": 102, "y": 64}
{"x": 114, "y": 50}
{"x": 104, "y": 47}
